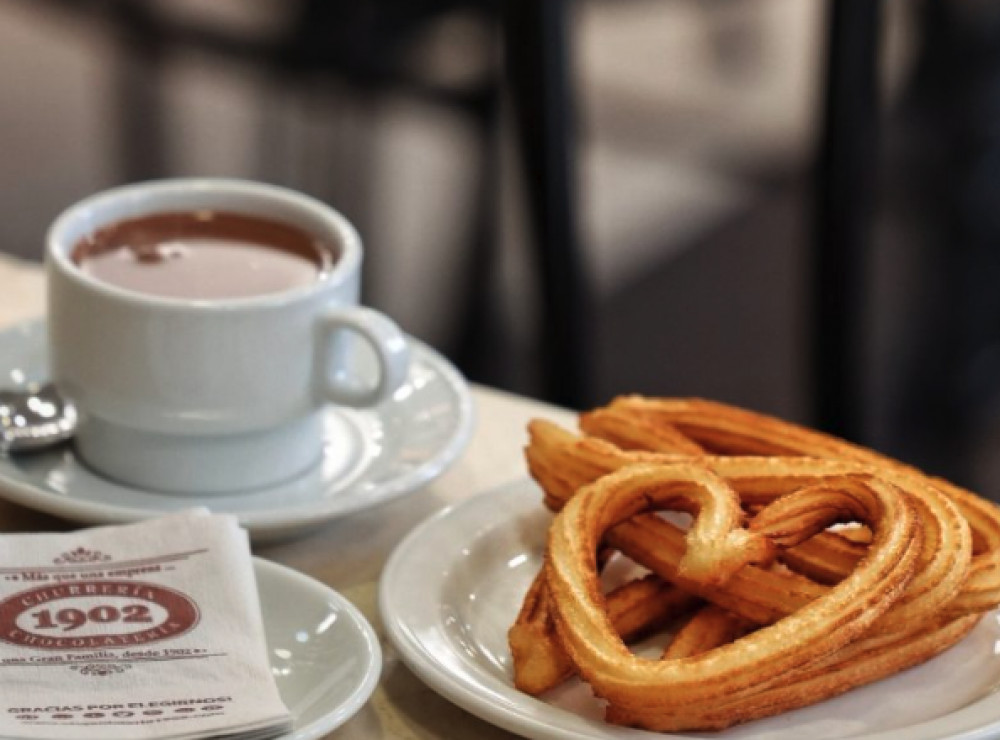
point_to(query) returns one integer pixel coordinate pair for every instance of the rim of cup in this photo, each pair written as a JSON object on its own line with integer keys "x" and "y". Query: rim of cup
{"x": 58, "y": 247}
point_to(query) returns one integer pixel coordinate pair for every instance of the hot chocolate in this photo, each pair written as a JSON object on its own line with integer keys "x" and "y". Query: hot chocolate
{"x": 203, "y": 255}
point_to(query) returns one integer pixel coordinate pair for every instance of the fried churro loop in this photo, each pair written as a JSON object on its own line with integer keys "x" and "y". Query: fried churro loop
{"x": 837, "y": 609}
{"x": 639, "y": 686}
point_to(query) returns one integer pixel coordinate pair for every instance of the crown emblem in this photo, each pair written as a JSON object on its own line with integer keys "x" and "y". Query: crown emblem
{"x": 81, "y": 555}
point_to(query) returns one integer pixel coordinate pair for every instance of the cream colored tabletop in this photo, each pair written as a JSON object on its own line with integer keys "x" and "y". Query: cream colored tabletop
{"x": 348, "y": 554}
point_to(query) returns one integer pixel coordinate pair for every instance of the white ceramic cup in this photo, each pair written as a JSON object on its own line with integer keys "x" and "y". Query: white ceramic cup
{"x": 201, "y": 397}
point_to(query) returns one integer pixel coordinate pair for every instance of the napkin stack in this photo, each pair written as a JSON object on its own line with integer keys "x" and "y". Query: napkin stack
{"x": 149, "y": 630}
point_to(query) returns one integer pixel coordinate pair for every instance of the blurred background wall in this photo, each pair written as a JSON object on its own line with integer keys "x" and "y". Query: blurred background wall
{"x": 696, "y": 127}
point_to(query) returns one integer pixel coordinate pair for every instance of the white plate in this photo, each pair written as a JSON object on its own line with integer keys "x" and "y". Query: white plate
{"x": 324, "y": 655}
{"x": 372, "y": 456}
{"x": 453, "y": 587}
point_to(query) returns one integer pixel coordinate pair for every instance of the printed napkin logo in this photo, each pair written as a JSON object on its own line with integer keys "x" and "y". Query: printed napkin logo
{"x": 86, "y": 615}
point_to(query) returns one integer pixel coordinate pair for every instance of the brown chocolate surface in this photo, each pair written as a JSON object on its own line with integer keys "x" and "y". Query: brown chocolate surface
{"x": 206, "y": 255}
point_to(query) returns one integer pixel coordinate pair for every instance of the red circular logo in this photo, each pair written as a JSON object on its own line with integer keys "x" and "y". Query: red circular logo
{"x": 89, "y": 615}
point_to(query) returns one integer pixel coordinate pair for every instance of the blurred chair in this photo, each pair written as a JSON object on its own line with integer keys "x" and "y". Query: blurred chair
{"x": 368, "y": 45}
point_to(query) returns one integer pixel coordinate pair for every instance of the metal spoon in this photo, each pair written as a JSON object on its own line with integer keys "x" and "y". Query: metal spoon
{"x": 34, "y": 417}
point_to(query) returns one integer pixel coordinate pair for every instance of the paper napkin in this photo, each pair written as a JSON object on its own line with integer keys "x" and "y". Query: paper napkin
{"x": 149, "y": 630}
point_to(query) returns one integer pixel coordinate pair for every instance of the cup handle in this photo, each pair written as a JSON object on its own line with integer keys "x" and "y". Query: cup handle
{"x": 390, "y": 347}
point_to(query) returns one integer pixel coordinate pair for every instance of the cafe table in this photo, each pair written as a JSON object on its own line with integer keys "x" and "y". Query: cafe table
{"x": 348, "y": 554}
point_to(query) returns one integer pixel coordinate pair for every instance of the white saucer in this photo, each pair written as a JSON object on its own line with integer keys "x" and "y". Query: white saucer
{"x": 372, "y": 456}
{"x": 452, "y": 588}
{"x": 324, "y": 655}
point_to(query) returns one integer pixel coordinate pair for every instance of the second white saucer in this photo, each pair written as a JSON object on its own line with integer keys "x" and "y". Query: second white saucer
{"x": 325, "y": 656}
{"x": 372, "y": 456}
